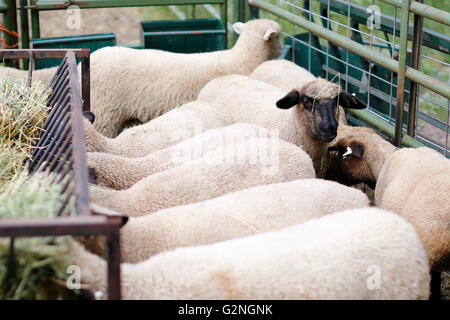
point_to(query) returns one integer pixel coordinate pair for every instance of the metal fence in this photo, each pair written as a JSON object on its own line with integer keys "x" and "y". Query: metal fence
{"x": 61, "y": 149}
{"x": 391, "y": 61}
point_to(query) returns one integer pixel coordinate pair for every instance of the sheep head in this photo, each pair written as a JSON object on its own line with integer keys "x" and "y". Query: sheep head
{"x": 359, "y": 156}
{"x": 259, "y": 37}
{"x": 316, "y": 103}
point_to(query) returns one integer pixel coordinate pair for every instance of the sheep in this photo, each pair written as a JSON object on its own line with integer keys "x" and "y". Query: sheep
{"x": 118, "y": 172}
{"x": 282, "y": 73}
{"x": 239, "y": 99}
{"x": 143, "y": 84}
{"x": 413, "y": 183}
{"x": 166, "y": 130}
{"x": 233, "y": 215}
{"x": 225, "y": 169}
{"x": 44, "y": 75}
{"x": 356, "y": 254}
{"x": 311, "y": 124}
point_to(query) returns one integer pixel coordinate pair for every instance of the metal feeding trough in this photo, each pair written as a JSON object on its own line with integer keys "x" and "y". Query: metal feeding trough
{"x": 62, "y": 150}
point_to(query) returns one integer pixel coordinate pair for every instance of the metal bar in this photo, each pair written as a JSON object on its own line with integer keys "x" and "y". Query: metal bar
{"x": 56, "y": 156}
{"x": 78, "y": 139}
{"x": 424, "y": 10}
{"x": 62, "y": 132}
{"x": 90, "y": 4}
{"x": 30, "y": 69}
{"x": 86, "y": 83}
{"x": 429, "y": 82}
{"x": 413, "y": 88}
{"x": 10, "y": 23}
{"x": 24, "y": 29}
{"x": 225, "y": 20}
{"x": 113, "y": 253}
{"x": 41, "y": 53}
{"x": 61, "y": 226}
{"x": 401, "y": 72}
{"x": 35, "y": 26}
{"x": 384, "y": 127}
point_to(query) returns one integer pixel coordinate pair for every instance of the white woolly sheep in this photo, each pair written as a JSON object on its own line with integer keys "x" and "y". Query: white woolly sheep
{"x": 413, "y": 183}
{"x": 233, "y": 215}
{"x": 143, "y": 84}
{"x": 118, "y": 172}
{"x": 282, "y": 73}
{"x": 44, "y": 75}
{"x": 166, "y": 130}
{"x": 239, "y": 99}
{"x": 311, "y": 124}
{"x": 228, "y": 168}
{"x": 357, "y": 254}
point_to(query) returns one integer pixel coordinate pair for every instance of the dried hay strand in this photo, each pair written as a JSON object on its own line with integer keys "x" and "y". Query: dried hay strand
{"x": 37, "y": 269}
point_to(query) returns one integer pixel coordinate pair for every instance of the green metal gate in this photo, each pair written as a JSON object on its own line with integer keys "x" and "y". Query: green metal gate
{"x": 381, "y": 51}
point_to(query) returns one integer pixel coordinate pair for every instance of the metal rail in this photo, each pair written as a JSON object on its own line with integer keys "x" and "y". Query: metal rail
{"x": 41, "y": 5}
{"x": 61, "y": 149}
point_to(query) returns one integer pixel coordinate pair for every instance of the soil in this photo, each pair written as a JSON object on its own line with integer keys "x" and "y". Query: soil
{"x": 124, "y": 22}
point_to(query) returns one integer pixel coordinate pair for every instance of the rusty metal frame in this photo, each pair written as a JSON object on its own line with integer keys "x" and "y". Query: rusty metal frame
{"x": 61, "y": 149}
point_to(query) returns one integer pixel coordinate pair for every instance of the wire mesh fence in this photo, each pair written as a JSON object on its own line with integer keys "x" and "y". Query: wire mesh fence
{"x": 376, "y": 25}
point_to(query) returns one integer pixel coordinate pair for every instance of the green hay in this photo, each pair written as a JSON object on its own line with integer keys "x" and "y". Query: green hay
{"x": 40, "y": 263}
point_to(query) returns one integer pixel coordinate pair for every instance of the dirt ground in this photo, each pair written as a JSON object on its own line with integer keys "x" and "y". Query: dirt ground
{"x": 124, "y": 22}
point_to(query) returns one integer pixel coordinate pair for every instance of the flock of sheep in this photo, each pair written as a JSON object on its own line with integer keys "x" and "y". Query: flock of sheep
{"x": 200, "y": 227}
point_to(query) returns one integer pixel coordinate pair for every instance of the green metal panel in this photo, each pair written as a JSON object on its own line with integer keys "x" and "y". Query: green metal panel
{"x": 183, "y": 36}
{"x": 371, "y": 54}
{"x": 92, "y": 42}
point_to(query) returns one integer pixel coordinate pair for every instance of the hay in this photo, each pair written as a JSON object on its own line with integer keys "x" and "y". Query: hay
{"x": 40, "y": 263}
{"x": 38, "y": 270}
{"x": 23, "y": 111}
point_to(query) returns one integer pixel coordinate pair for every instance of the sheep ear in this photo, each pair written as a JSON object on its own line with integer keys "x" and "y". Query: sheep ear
{"x": 269, "y": 33}
{"x": 89, "y": 115}
{"x": 238, "y": 27}
{"x": 350, "y": 101}
{"x": 289, "y": 100}
{"x": 354, "y": 150}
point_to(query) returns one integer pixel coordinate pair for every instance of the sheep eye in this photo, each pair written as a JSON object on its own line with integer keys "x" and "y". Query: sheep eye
{"x": 307, "y": 102}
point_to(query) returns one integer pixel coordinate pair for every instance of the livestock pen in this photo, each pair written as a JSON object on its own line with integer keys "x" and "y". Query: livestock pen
{"x": 393, "y": 54}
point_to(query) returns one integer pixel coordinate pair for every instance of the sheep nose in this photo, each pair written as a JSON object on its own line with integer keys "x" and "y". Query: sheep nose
{"x": 331, "y": 130}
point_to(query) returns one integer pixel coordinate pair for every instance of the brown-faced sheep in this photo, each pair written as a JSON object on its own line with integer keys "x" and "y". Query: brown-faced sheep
{"x": 413, "y": 183}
